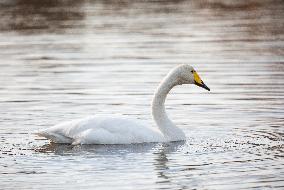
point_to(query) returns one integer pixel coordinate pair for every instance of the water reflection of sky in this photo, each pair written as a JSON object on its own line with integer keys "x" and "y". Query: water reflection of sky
{"x": 188, "y": 29}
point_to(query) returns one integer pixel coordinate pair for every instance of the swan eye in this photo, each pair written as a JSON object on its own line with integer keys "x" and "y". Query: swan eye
{"x": 192, "y": 71}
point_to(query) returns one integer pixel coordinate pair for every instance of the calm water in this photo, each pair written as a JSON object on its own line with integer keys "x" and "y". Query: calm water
{"x": 61, "y": 60}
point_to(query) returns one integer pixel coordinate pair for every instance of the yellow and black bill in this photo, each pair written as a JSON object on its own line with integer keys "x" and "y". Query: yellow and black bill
{"x": 199, "y": 82}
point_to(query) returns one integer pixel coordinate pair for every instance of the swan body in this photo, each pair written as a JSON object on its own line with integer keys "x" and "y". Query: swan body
{"x": 103, "y": 130}
{"x": 121, "y": 130}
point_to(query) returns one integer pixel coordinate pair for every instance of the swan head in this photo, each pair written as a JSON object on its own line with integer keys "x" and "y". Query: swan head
{"x": 187, "y": 75}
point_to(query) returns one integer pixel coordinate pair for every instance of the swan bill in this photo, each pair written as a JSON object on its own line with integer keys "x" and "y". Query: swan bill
{"x": 199, "y": 82}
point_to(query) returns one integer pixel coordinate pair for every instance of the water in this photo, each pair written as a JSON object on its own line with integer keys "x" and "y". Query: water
{"x": 62, "y": 60}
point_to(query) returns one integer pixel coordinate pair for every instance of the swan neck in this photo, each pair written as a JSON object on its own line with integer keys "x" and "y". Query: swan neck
{"x": 160, "y": 96}
{"x": 166, "y": 126}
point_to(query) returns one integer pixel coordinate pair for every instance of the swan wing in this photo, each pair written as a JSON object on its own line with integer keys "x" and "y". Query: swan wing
{"x": 103, "y": 130}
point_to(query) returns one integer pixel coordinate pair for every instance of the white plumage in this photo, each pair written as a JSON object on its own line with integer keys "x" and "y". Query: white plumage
{"x": 103, "y": 130}
{"x": 121, "y": 130}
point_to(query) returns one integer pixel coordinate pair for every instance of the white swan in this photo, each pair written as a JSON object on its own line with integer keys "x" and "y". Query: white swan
{"x": 114, "y": 130}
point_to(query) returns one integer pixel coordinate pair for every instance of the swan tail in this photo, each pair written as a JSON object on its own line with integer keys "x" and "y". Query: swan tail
{"x": 56, "y": 138}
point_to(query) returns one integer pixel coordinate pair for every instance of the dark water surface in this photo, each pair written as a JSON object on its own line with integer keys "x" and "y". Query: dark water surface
{"x": 61, "y": 60}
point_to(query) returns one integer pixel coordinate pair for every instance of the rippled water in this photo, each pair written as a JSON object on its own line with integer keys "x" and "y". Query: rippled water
{"x": 61, "y": 60}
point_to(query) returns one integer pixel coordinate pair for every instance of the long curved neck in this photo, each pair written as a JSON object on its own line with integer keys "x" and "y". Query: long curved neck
{"x": 167, "y": 127}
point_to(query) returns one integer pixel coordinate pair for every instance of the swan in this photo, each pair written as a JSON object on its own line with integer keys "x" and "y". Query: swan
{"x": 121, "y": 130}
